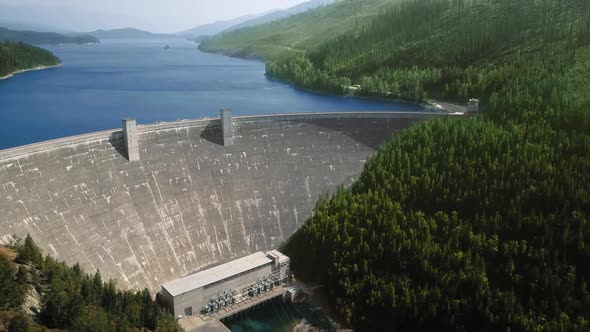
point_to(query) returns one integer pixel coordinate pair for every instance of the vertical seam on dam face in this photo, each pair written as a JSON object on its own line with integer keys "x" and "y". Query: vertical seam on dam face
{"x": 190, "y": 200}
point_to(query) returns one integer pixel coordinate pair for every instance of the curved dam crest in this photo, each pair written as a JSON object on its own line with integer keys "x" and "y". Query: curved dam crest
{"x": 190, "y": 201}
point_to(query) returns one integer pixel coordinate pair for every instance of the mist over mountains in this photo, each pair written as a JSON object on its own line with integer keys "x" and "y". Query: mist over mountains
{"x": 211, "y": 29}
{"x": 48, "y": 17}
{"x": 253, "y": 19}
{"x": 24, "y": 18}
{"x": 280, "y": 14}
{"x": 44, "y": 38}
{"x": 128, "y": 33}
{"x": 174, "y": 17}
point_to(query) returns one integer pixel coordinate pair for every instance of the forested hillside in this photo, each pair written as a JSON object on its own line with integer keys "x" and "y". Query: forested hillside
{"x": 464, "y": 224}
{"x": 127, "y": 33}
{"x": 304, "y": 31}
{"x": 447, "y": 49}
{"x": 20, "y": 56}
{"x": 460, "y": 225}
{"x": 69, "y": 299}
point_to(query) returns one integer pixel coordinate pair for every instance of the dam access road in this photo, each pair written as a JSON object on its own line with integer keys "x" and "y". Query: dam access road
{"x": 189, "y": 201}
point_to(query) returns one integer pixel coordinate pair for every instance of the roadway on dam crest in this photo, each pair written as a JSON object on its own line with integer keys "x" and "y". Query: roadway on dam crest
{"x": 190, "y": 201}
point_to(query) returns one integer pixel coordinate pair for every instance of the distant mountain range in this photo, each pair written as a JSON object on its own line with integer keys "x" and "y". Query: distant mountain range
{"x": 21, "y": 31}
{"x": 130, "y": 33}
{"x": 252, "y": 20}
{"x": 279, "y": 14}
{"x": 28, "y": 26}
{"x": 218, "y": 27}
{"x": 44, "y": 38}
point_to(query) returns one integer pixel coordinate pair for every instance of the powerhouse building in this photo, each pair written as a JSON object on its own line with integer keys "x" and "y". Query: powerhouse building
{"x": 226, "y": 284}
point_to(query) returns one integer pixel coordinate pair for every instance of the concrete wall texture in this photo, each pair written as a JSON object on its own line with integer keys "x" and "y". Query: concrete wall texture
{"x": 190, "y": 201}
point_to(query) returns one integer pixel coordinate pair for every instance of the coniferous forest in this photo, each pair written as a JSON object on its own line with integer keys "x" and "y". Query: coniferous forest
{"x": 416, "y": 50}
{"x": 15, "y": 56}
{"x": 70, "y": 299}
{"x": 447, "y": 49}
{"x": 456, "y": 224}
{"x": 461, "y": 225}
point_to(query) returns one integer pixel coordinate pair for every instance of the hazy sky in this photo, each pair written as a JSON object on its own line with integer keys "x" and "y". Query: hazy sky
{"x": 152, "y": 15}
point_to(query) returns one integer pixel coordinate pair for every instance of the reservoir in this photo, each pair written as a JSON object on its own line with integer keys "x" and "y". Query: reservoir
{"x": 100, "y": 84}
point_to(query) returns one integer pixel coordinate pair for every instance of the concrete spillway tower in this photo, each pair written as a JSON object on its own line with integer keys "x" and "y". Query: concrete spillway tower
{"x": 131, "y": 141}
{"x": 227, "y": 127}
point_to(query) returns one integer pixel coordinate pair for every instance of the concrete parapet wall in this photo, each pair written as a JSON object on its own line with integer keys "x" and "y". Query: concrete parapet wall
{"x": 189, "y": 201}
{"x": 117, "y": 134}
{"x": 51, "y": 145}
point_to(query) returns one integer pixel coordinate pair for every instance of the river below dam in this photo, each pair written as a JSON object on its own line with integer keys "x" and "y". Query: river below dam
{"x": 279, "y": 316}
{"x": 283, "y": 316}
{"x": 100, "y": 84}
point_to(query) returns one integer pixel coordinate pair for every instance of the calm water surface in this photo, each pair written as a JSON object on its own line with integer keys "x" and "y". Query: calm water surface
{"x": 282, "y": 317}
{"x": 98, "y": 85}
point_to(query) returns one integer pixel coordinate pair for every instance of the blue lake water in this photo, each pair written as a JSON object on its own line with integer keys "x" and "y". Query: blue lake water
{"x": 98, "y": 85}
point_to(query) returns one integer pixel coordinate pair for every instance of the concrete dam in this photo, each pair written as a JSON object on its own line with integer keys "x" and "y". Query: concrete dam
{"x": 192, "y": 198}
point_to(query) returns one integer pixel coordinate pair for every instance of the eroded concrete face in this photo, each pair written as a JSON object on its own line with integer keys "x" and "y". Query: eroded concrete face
{"x": 189, "y": 202}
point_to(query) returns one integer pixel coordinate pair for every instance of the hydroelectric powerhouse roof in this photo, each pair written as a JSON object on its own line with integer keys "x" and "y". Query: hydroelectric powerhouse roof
{"x": 220, "y": 272}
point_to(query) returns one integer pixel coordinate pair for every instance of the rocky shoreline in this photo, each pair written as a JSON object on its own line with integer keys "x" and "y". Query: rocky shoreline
{"x": 29, "y": 69}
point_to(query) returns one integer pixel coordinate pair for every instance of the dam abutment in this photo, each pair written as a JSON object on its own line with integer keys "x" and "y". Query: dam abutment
{"x": 187, "y": 202}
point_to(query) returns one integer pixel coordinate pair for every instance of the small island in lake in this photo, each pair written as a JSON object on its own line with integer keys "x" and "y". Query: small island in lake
{"x": 167, "y": 47}
{"x": 19, "y": 57}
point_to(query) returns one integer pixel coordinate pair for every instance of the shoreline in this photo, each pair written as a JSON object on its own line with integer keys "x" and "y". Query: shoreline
{"x": 429, "y": 104}
{"x": 425, "y": 104}
{"x": 20, "y": 71}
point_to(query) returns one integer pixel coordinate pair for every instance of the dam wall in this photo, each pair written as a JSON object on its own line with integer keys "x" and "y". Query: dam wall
{"x": 189, "y": 201}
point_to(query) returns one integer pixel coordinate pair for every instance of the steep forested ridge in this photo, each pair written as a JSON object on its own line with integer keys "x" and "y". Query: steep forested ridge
{"x": 20, "y": 56}
{"x": 461, "y": 225}
{"x": 449, "y": 49}
{"x": 303, "y": 31}
{"x": 70, "y": 299}
{"x": 130, "y": 33}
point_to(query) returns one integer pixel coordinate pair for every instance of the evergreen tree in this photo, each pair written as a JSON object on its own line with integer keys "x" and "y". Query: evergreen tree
{"x": 19, "y": 323}
{"x": 19, "y": 56}
{"x": 11, "y": 290}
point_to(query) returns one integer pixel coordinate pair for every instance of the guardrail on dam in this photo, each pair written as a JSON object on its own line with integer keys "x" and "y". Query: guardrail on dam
{"x": 189, "y": 201}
